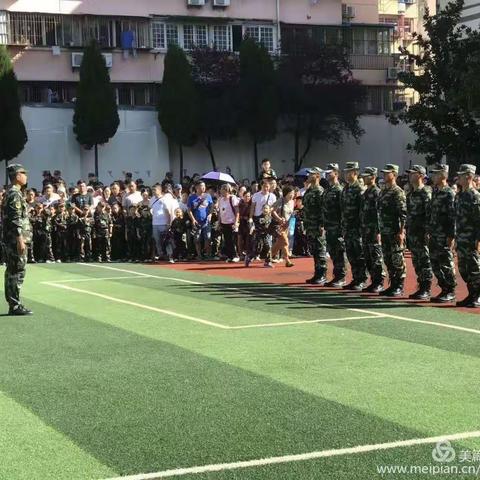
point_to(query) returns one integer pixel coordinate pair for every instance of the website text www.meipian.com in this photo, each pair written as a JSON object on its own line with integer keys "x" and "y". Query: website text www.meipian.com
{"x": 473, "y": 470}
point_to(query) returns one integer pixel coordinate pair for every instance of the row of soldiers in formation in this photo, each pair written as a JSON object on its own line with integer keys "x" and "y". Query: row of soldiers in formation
{"x": 373, "y": 226}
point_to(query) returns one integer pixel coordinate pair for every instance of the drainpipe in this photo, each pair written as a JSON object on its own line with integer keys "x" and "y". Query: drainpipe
{"x": 279, "y": 37}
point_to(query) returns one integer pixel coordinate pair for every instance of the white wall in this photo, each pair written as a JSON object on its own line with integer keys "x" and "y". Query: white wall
{"x": 140, "y": 147}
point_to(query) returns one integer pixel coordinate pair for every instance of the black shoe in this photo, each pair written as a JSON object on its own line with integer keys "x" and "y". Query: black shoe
{"x": 358, "y": 287}
{"x": 475, "y": 302}
{"x": 374, "y": 288}
{"x": 387, "y": 291}
{"x": 336, "y": 283}
{"x": 465, "y": 302}
{"x": 19, "y": 311}
{"x": 445, "y": 296}
{"x": 317, "y": 280}
{"x": 350, "y": 285}
{"x": 421, "y": 294}
{"x": 395, "y": 292}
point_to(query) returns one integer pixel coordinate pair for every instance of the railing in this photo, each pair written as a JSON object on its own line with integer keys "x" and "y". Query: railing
{"x": 371, "y": 62}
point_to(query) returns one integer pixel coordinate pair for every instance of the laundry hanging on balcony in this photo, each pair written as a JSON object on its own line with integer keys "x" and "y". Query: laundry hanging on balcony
{"x": 129, "y": 44}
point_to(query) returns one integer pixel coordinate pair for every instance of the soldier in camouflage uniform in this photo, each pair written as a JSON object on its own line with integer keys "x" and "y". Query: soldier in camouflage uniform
{"x": 467, "y": 219}
{"x": 392, "y": 207}
{"x": 313, "y": 222}
{"x": 372, "y": 246}
{"x": 419, "y": 199}
{"x": 352, "y": 196}
{"x": 332, "y": 217}
{"x": 17, "y": 235}
{"x": 441, "y": 234}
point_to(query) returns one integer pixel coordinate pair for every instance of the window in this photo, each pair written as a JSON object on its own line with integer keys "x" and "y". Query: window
{"x": 222, "y": 37}
{"x": 124, "y": 96}
{"x": 378, "y": 100}
{"x": 195, "y": 36}
{"x": 158, "y": 35}
{"x": 48, "y": 92}
{"x": 172, "y": 34}
{"x": 358, "y": 44}
{"x": 261, "y": 34}
{"x": 3, "y": 28}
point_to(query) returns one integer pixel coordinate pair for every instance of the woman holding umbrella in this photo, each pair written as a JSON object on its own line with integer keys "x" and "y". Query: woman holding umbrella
{"x": 229, "y": 220}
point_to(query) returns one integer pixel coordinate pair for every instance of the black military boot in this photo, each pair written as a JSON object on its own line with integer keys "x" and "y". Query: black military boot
{"x": 19, "y": 310}
{"x": 397, "y": 290}
{"x": 387, "y": 291}
{"x": 359, "y": 287}
{"x": 336, "y": 282}
{"x": 475, "y": 301}
{"x": 375, "y": 287}
{"x": 446, "y": 295}
{"x": 318, "y": 279}
{"x": 423, "y": 292}
{"x": 467, "y": 300}
{"x": 350, "y": 285}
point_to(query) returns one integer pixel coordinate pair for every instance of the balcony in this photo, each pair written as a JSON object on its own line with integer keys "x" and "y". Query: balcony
{"x": 371, "y": 62}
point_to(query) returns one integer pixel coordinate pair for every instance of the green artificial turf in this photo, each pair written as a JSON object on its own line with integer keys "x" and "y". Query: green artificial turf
{"x": 93, "y": 388}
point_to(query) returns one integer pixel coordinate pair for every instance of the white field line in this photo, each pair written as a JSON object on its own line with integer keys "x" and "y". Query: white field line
{"x": 139, "y": 305}
{"x": 219, "y": 467}
{"x": 94, "y": 279}
{"x": 358, "y": 310}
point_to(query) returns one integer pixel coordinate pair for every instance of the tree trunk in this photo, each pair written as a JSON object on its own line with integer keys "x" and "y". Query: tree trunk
{"x": 208, "y": 144}
{"x": 307, "y": 149}
{"x": 180, "y": 147}
{"x": 255, "y": 156}
{"x": 96, "y": 161}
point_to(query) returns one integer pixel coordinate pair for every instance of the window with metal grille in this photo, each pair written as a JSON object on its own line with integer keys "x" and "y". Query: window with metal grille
{"x": 3, "y": 27}
{"x": 222, "y": 37}
{"x": 158, "y": 35}
{"x": 172, "y": 34}
{"x": 195, "y": 36}
{"x": 261, "y": 34}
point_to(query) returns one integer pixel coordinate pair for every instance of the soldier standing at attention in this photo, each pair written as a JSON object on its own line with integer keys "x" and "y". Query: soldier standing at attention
{"x": 332, "y": 216}
{"x": 419, "y": 200}
{"x": 441, "y": 234}
{"x": 392, "y": 207}
{"x": 467, "y": 219}
{"x": 352, "y": 196}
{"x": 16, "y": 236}
{"x": 372, "y": 246}
{"x": 313, "y": 223}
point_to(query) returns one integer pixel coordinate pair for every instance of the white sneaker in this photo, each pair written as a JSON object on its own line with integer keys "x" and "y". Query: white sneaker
{"x": 59, "y": 261}
{"x": 235, "y": 260}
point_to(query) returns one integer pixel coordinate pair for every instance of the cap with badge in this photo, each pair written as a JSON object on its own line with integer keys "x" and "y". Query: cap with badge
{"x": 332, "y": 167}
{"x": 440, "y": 167}
{"x": 15, "y": 168}
{"x": 351, "y": 166}
{"x": 467, "y": 169}
{"x": 417, "y": 169}
{"x": 390, "y": 168}
{"x": 314, "y": 170}
{"x": 369, "y": 171}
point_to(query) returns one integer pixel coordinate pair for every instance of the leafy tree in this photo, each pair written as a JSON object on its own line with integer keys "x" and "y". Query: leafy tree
{"x": 445, "y": 119}
{"x": 258, "y": 95}
{"x": 178, "y": 103}
{"x": 96, "y": 117}
{"x": 216, "y": 74}
{"x": 13, "y": 135}
{"x": 318, "y": 96}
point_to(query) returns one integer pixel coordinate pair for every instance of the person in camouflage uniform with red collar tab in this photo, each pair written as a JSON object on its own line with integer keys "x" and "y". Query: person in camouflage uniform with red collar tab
{"x": 467, "y": 220}
{"x": 441, "y": 234}
{"x": 313, "y": 223}
{"x": 392, "y": 206}
{"x": 17, "y": 235}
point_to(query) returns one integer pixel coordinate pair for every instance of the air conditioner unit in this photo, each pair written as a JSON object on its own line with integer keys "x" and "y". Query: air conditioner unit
{"x": 401, "y": 8}
{"x": 195, "y": 3}
{"x": 348, "y": 12}
{"x": 77, "y": 58}
{"x": 221, "y": 3}
{"x": 392, "y": 73}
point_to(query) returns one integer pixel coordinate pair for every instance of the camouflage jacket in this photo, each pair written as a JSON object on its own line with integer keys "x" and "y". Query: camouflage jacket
{"x": 467, "y": 217}
{"x": 313, "y": 209}
{"x": 418, "y": 209}
{"x": 102, "y": 224}
{"x": 60, "y": 220}
{"x": 332, "y": 212}
{"x": 352, "y": 197}
{"x": 15, "y": 217}
{"x": 369, "y": 210}
{"x": 442, "y": 213}
{"x": 392, "y": 210}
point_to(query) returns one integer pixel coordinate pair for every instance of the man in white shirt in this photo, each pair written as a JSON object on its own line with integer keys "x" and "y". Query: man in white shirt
{"x": 260, "y": 199}
{"x": 133, "y": 197}
{"x": 49, "y": 196}
{"x": 163, "y": 205}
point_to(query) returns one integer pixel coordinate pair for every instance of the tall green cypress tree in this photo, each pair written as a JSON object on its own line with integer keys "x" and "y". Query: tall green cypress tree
{"x": 96, "y": 117}
{"x": 13, "y": 135}
{"x": 178, "y": 101}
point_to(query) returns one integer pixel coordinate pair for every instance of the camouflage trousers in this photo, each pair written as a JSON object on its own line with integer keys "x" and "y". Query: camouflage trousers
{"x": 103, "y": 248}
{"x": 355, "y": 255}
{"x": 336, "y": 250}
{"x": 14, "y": 273}
{"x": 372, "y": 250}
{"x": 394, "y": 257}
{"x": 318, "y": 248}
{"x": 420, "y": 257}
{"x": 469, "y": 265}
{"x": 443, "y": 266}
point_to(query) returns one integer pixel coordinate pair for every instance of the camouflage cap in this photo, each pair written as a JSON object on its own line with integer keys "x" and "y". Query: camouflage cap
{"x": 315, "y": 170}
{"x": 369, "y": 171}
{"x": 440, "y": 167}
{"x": 390, "y": 168}
{"x": 15, "y": 168}
{"x": 417, "y": 169}
{"x": 332, "y": 167}
{"x": 467, "y": 168}
{"x": 351, "y": 166}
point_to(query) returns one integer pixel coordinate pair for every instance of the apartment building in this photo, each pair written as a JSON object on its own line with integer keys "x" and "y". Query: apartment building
{"x": 46, "y": 40}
